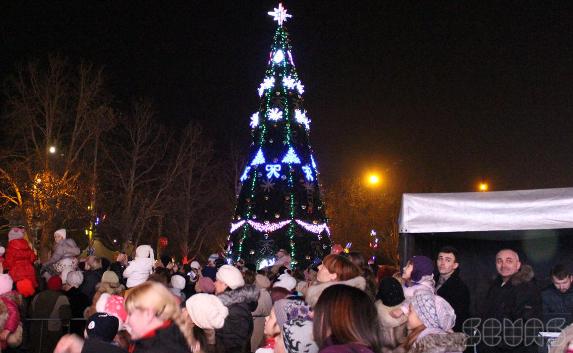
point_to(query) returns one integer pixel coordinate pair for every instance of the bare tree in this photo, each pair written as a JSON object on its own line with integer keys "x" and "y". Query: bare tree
{"x": 53, "y": 114}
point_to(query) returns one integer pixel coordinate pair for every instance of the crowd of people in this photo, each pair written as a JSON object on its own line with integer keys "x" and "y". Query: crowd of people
{"x": 141, "y": 304}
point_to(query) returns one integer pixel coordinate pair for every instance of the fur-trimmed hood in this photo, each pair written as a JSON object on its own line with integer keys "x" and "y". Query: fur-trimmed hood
{"x": 386, "y": 320}
{"x": 524, "y": 275}
{"x": 314, "y": 292}
{"x": 440, "y": 343}
{"x": 246, "y": 294}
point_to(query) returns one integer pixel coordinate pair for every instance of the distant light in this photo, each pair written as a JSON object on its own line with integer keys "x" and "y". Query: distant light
{"x": 38, "y": 180}
{"x": 52, "y": 149}
{"x": 374, "y": 179}
{"x": 279, "y": 56}
{"x": 115, "y": 240}
{"x": 483, "y": 187}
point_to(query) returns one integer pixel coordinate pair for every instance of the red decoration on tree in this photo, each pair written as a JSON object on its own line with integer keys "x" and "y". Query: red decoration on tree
{"x": 163, "y": 242}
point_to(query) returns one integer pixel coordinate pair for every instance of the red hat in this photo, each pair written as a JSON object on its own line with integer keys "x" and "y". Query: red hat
{"x": 55, "y": 283}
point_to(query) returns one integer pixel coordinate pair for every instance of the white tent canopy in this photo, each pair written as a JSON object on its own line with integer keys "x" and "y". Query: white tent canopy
{"x": 487, "y": 211}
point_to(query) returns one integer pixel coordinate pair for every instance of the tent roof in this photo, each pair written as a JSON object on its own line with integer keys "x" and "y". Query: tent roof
{"x": 487, "y": 211}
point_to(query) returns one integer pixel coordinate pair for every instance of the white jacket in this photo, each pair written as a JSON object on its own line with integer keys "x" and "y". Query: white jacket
{"x": 141, "y": 267}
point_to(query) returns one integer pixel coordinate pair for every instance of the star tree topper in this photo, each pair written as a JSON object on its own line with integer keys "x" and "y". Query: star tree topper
{"x": 279, "y": 14}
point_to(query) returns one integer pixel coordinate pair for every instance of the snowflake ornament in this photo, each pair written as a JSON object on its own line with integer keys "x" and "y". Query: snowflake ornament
{"x": 301, "y": 118}
{"x": 275, "y": 114}
{"x": 268, "y": 82}
{"x": 267, "y": 185}
{"x": 254, "y": 120}
{"x": 279, "y": 14}
{"x": 289, "y": 82}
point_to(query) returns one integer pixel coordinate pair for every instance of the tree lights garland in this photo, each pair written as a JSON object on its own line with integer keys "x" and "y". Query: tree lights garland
{"x": 268, "y": 227}
{"x": 291, "y": 157}
{"x": 268, "y": 82}
{"x": 314, "y": 228}
{"x": 255, "y": 120}
{"x": 308, "y": 173}
{"x": 259, "y": 158}
{"x": 245, "y": 174}
{"x": 301, "y": 118}
{"x": 275, "y": 114}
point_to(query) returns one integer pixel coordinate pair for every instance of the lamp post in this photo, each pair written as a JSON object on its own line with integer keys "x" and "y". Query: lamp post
{"x": 483, "y": 186}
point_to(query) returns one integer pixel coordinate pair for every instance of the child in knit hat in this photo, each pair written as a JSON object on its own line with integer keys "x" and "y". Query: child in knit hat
{"x": 178, "y": 283}
{"x": 20, "y": 258}
{"x": 141, "y": 267}
{"x": 418, "y": 276}
{"x": 9, "y": 312}
{"x": 430, "y": 321}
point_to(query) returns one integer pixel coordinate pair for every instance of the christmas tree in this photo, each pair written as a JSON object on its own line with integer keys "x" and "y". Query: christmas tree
{"x": 279, "y": 205}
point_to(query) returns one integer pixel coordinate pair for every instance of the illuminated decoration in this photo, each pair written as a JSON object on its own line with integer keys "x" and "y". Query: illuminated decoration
{"x": 374, "y": 240}
{"x": 301, "y": 118}
{"x": 291, "y": 157}
{"x": 274, "y": 193}
{"x": 255, "y": 120}
{"x": 348, "y": 247}
{"x": 268, "y": 227}
{"x": 266, "y": 263}
{"x": 268, "y": 82}
{"x": 279, "y": 56}
{"x": 259, "y": 158}
{"x": 314, "y": 228}
{"x": 275, "y": 114}
{"x": 299, "y": 87}
{"x": 273, "y": 170}
{"x": 308, "y": 173}
{"x": 279, "y": 14}
{"x": 289, "y": 82}
{"x": 235, "y": 226}
{"x": 245, "y": 174}
{"x": 312, "y": 162}
{"x": 163, "y": 242}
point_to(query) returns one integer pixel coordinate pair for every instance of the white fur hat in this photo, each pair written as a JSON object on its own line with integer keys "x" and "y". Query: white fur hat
{"x": 75, "y": 278}
{"x": 61, "y": 233}
{"x": 231, "y": 276}
{"x": 15, "y": 233}
{"x": 144, "y": 251}
{"x": 286, "y": 281}
{"x": 195, "y": 264}
{"x": 206, "y": 310}
{"x": 178, "y": 282}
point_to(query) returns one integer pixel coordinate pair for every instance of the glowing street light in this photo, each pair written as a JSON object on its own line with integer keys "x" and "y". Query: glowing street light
{"x": 52, "y": 149}
{"x": 483, "y": 187}
{"x": 374, "y": 179}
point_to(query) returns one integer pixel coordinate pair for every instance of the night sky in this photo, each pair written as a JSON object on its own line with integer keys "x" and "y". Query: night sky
{"x": 440, "y": 93}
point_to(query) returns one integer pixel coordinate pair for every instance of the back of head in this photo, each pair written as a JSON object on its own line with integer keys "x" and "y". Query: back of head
{"x": 342, "y": 266}
{"x": 390, "y": 291}
{"x": 102, "y": 326}
{"x": 346, "y": 315}
{"x": 144, "y": 251}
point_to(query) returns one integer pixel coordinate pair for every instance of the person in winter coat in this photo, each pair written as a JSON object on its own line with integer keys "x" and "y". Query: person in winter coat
{"x": 64, "y": 258}
{"x": 92, "y": 276}
{"x": 10, "y": 323}
{"x": 514, "y": 296}
{"x": 390, "y": 296}
{"x": 241, "y": 300}
{"x": 78, "y": 300}
{"x": 345, "y": 320}
{"x": 430, "y": 321}
{"x": 109, "y": 284}
{"x": 451, "y": 287}
{"x": 141, "y": 267}
{"x": 119, "y": 266}
{"x": 207, "y": 313}
{"x": 417, "y": 276}
{"x": 178, "y": 283}
{"x": 53, "y": 304}
{"x": 20, "y": 258}
{"x": 264, "y": 307}
{"x": 557, "y": 298}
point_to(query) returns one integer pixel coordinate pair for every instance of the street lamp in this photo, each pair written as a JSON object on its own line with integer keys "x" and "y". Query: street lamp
{"x": 483, "y": 187}
{"x": 373, "y": 179}
{"x": 52, "y": 149}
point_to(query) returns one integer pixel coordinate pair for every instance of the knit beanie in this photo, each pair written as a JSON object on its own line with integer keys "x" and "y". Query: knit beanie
{"x": 61, "y": 233}
{"x": 110, "y": 277}
{"x": 231, "y": 276}
{"x": 286, "y": 281}
{"x": 195, "y": 265}
{"x": 290, "y": 309}
{"x": 390, "y": 291}
{"x": 262, "y": 281}
{"x": 207, "y": 311}
{"x": 298, "y": 338}
{"x": 206, "y": 284}
{"x": 434, "y": 311}
{"x": 6, "y": 283}
{"x": 75, "y": 278}
{"x": 102, "y": 326}
{"x": 112, "y": 305}
{"x": 15, "y": 233}
{"x": 55, "y": 283}
{"x": 423, "y": 266}
{"x": 178, "y": 282}
{"x": 144, "y": 251}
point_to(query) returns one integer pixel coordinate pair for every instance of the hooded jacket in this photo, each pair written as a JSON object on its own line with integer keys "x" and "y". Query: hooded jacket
{"x": 19, "y": 261}
{"x": 314, "y": 292}
{"x": 165, "y": 339}
{"x": 140, "y": 268}
{"x": 66, "y": 248}
{"x": 393, "y": 331}
{"x": 518, "y": 298}
{"x": 235, "y": 335}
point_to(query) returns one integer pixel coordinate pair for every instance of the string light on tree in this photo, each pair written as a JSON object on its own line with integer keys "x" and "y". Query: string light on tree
{"x": 374, "y": 240}
{"x": 268, "y": 227}
{"x": 235, "y": 226}
{"x": 314, "y": 228}
{"x": 279, "y": 56}
{"x": 291, "y": 157}
{"x": 308, "y": 173}
{"x": 301, "y": 118}
{"x": 299, "y": 87}
{"x": 259, "y": 158}
{"x": 313, "y": 163}
{"x": 289, "y": 82}
{"x": 245, "y": 174}
{"x": 268, "y": 82}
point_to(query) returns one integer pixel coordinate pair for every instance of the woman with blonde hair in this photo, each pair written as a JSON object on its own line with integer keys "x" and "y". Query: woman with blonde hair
{"x": 155, "y": 321}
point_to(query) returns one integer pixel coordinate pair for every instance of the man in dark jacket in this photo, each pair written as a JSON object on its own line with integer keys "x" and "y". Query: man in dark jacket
{"x": 558, "y": 297}
{"x": 513, "y": 296}
{"x": 450, "y": 286}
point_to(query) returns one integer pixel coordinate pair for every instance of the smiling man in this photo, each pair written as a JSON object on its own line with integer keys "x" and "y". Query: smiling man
{"x": 450, "y": 286}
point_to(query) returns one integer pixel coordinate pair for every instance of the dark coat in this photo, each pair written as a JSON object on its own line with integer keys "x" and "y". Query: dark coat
{"x": 455, "y": 292}
{"x": 94, "y": 345}
{"x": 88, "y": 286}
{"x": 168, "y": 339}
{"x": 235, "y": 335}
{"x": 556, "y": 302}
{"x": 519, "y": 298}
